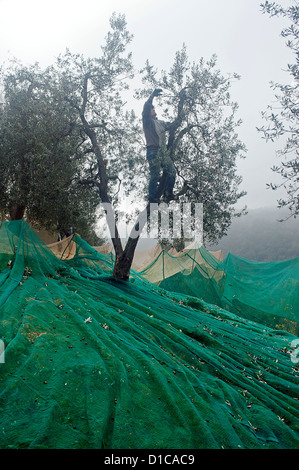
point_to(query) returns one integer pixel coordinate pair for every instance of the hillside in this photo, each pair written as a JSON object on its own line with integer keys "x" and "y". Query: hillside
{"x": 95, "y": 363}
{"x": 260, "y": 236}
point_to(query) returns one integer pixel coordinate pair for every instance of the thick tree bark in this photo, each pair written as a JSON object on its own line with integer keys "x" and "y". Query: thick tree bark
{"x": 122, "y": 267}
{"x": 17, "y": 212}
{"x": 124, "y": 260}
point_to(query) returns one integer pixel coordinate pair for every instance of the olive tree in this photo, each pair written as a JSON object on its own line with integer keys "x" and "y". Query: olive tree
{"x": 283, "y": 117}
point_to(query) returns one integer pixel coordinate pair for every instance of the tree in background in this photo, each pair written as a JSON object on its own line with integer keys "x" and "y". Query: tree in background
{"x": 284, "y": 119}
{"x": 38, "y": 162}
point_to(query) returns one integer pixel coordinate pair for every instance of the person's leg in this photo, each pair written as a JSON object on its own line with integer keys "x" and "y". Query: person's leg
{"x": 154, "y": 162}
{"x": 169, "y": 175}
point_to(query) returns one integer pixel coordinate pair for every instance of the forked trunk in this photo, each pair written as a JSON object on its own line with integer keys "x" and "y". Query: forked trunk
{"x": 124, "y": 259}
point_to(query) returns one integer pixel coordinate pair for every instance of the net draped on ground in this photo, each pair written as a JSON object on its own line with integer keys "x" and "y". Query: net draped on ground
{"x": 91, "y": 362}
{"x": 264, "y": 292}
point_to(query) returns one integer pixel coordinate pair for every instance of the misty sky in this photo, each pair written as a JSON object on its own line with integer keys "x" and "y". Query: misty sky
{"x": 244, "y": 40}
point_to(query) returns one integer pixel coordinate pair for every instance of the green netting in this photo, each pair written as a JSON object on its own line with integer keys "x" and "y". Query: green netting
{"x": 95, "y": 363}
{"x": 264, "y": 292}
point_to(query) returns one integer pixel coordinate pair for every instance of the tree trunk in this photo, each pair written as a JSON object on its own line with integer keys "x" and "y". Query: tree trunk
{"x": 17, "y": 212}
{"x": 122, "y": 267}
{"x": 124, "y": 260}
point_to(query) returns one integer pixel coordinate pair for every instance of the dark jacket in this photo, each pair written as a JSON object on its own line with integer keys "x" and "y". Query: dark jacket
{"x": 154, "y": 129}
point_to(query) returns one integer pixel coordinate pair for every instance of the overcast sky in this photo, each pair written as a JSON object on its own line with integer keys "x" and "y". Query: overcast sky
{"x": 244, "y": 40}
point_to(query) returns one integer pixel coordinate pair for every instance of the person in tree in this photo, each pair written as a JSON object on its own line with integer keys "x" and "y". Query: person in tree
{"x": 162, "y": 169}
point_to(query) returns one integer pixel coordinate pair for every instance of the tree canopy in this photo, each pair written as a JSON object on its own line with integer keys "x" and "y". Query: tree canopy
{"x": 38, "y": 162}
{"x": 283, "y": 116}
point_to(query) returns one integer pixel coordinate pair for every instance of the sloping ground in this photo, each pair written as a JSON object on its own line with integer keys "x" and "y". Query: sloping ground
{"x": 95, "y": 363}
